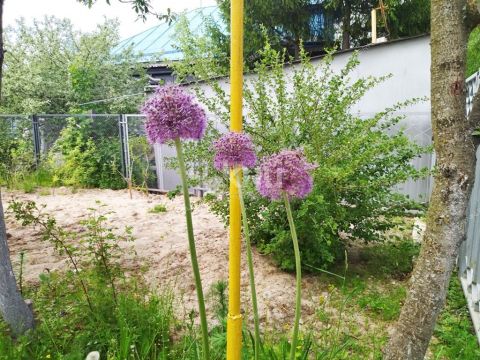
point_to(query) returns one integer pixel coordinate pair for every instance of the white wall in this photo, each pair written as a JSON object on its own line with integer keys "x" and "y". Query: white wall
{"x": 408, "y": 61}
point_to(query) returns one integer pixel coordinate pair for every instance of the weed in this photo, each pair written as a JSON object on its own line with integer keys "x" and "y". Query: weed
{"x": 385, "y": 306}
{"x": 159, "y": 208}
{"x": 174, "y": 193}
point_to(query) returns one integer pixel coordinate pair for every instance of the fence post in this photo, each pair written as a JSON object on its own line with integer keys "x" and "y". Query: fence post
{"x": 36, "y": 140}
{"x": 125, "y": 151}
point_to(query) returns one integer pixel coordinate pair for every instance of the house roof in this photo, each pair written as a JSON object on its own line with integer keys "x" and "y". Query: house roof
{"x": 158, "y": 42}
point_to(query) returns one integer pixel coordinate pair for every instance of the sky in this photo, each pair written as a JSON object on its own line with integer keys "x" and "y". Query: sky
{"x": 86, "y": 19}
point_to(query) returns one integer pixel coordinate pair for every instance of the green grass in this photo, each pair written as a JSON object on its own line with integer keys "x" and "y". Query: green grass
{"x": 454, "y": 336}
{"x": 31, "y": 181}
{"x": 389, "y": 259}
{"x": 66, "y": 329}
{"x": 353, "y": 315}
{"x": 159, "y": 208}
{"x": 384, "y": 305}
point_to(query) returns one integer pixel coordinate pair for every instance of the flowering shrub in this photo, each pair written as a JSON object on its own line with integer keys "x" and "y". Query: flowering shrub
{"x": 360, "y": 160}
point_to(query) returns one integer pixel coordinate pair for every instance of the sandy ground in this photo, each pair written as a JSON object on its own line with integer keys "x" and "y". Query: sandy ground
{"x": 161, "y": 243}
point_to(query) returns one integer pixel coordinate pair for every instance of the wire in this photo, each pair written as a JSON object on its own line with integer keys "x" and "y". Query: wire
{"x": 110, "y": 99}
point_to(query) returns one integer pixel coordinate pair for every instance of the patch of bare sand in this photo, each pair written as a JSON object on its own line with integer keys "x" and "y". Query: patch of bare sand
{"x": 161, "y": 243}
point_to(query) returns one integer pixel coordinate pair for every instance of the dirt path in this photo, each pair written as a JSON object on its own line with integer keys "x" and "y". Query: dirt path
{"x": 161, "y": 242}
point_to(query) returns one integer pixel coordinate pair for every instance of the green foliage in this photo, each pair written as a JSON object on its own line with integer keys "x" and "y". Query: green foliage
{"x": 137, "y": 323}
{"x": 52, "y": 68}
{"x": 287, "y": 24}
{"x": 359, "y": 159}
{"x": 87, "y": 154}
{"x": 404, "y": 18}
{"x": 139, "y": 169}
{"x": 157, "y": 209}
{"x": 94, "y": 306}
{"x": 141, "y": 7}
{"x": 454, "y": 336}
{"x": 296, "y": 21}
{"x": 473, "y": 52}
{"x": 16, "y": 150}
{"x": 172, "y": 194}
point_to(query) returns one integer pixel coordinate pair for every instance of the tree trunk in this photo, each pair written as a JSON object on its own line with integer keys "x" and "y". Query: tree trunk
{"x": 12, "y": 307}
{"x": 2, "y": 50}
{"x": 446, "y": 216}
{"x": 347, "y": 15}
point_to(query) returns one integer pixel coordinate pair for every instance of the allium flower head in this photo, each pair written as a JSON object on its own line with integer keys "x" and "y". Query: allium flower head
{"x": 288, "y": 172}
{"x": 172, "y": 113}
{"x": 234, "y": 149}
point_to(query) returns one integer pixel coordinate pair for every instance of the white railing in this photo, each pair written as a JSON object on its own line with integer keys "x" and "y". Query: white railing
{"x": 469, "y": 255}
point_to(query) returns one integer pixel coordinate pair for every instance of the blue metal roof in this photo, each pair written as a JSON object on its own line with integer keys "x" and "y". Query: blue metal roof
{"x": 157, "y": 43}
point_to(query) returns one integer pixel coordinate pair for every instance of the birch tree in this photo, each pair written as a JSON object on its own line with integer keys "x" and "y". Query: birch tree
{"x": 452, "y": 21}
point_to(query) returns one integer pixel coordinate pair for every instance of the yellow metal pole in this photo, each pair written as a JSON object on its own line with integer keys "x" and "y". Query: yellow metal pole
{"x": 234, "y": 322}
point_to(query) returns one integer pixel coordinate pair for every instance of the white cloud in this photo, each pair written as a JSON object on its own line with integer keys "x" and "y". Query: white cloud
{"x": 86, "y": 19}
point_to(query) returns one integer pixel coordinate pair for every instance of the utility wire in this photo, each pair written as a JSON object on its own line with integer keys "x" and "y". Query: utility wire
{"x": 111, "y": 99}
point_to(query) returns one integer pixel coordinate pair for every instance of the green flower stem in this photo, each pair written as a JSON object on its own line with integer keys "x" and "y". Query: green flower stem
{"x": 193, "y": 251}
{"x": 251, "y": 273}
{"x": 298, "y": 269}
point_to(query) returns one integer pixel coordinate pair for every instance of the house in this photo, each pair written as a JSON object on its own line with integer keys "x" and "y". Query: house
{"x": 156, "y": 45}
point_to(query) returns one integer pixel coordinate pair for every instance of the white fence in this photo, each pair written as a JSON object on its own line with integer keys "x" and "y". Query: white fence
{"x": 469, "y": 255}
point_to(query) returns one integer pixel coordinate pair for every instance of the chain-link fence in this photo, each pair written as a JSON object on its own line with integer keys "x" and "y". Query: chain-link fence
{"x": 93, "y": 150}
{"x": 111, "y": 150}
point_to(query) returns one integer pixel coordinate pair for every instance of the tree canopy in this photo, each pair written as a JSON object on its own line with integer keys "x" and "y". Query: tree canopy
{"x": 321, "y": 24}
{"x": 141, "y": 7}
{"x": 403, "y": 18}
{"x": 51, "y": 67}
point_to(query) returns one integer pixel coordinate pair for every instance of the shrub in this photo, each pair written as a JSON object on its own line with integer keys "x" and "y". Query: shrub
{"x": 359, "y": 159}
{"x": 87, "y": 154}
{"x": 16, "y": 151}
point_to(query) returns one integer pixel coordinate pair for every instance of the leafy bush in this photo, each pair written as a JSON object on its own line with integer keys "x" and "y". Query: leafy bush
{"x": 16, "y": 151}
{"x": 87, "y": 154}
{"x": 359, "y": 159}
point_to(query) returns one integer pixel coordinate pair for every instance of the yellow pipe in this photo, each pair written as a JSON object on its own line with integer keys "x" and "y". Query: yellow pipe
{"x": 234, "y": 322}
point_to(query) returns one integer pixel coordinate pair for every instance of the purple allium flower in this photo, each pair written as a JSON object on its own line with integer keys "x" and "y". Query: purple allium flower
{"x": 172, "y": 113}
{"x": 288, "y": 172}
{"x": 234, "y": 149}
